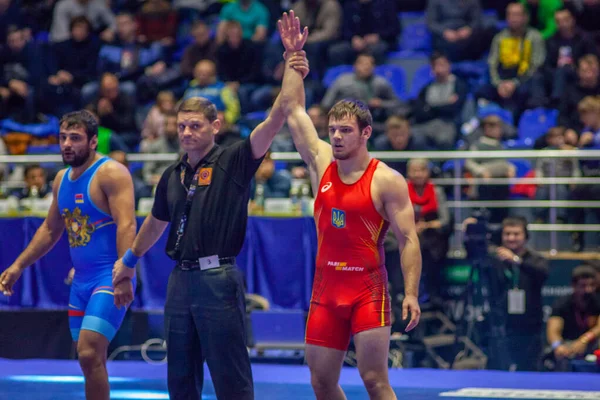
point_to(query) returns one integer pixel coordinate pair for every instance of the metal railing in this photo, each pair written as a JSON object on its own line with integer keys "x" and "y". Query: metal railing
{"x": 457, "y": 181}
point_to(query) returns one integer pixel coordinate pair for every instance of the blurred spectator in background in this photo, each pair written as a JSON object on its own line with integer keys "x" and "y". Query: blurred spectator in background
{"x": 323, "y": 19}
{"x": 555, "y": 168}
{"x": 141, "y": 189}
{"x": 541, "y": 15}
{"x": 370, "y": 26}
{"x": 252, "y": 16}
{"x": 96, "y": 11}
{"x": 587, "y": 84}
{"x": 168, "y": 142}
{"x": 398, "y": 137}
{"x": 157, "y": 21}
{"x": 437, "y": 111}
{"x": 127, "y": 58}
{"x": 589, "y": 110}
{"x": 564, "y": 49}
{"x": 36, "y": 184}
{"x": 205, "y": 84}
{"x": 228, "y": 133}
{"x": 491, "y": 168}
{"x": 70, "y": 65}
{"x": 116, "y": 111}
{"x": 457, "y": 28}
{"x": 364, "y": 85}
{"x": 587, "y": 14}
{"x": 10, "y": 14}
{"x": 433, "y": 224}
{"x": 273, "y": 183}
{"x": 239, "y": 64}
{"x": 154, "y": 125}
{"x": 516, "y": 54}
{"x": 203, "y": 48}
{"x": 20, "y": 76}
{"x": 574, "y": 326}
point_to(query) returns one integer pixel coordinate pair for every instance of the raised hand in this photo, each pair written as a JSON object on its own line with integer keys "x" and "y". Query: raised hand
{"x": 299, "y": 62}
{"x": 292, "y": 36}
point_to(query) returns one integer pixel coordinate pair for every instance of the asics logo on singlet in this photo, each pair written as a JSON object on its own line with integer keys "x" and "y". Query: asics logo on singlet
{"x": 343, "y": 266}
{"x": 326, "y": 187}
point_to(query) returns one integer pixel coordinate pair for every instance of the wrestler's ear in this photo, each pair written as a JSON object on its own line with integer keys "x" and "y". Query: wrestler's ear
{"x": 366, "y": 132}
{"x": 94, "y": 142}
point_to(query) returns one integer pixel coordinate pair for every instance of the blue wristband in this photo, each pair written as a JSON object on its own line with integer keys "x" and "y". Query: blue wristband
{"x": 129, "y": 259}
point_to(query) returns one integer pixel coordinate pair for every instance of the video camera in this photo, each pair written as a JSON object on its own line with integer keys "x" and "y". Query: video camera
{"x": 477, "y": 235}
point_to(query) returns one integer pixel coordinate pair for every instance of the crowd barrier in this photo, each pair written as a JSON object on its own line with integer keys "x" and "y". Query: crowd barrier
{"x": 452, "y": 162}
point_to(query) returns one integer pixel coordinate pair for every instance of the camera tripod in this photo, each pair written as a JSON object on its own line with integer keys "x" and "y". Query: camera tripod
{"x": 485, "y": 285}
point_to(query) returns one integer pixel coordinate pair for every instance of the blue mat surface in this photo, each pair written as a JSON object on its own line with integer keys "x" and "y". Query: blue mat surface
{"x": 58, "y": 380}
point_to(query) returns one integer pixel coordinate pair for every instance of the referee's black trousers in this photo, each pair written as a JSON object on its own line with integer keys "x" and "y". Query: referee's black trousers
{"x": 205, "y": 321}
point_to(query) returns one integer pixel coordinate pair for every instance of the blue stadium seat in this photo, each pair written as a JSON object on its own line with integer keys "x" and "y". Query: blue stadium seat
{"x": 494, "y": 109}
{"x": 523, "y": 166}
{"x": 334, "y": 72}
{"x": 49, "y": 149}
{"x": 44, "y": 129}
{"x": 395, "y": 75}
{"x": 415, "y": 37}
{"x": 535, "y": 123}
{"x": 411, "y": 17}
{"x": 250, "y": 121}
{"x": 42, "y": 37}
{"x": 421, "y": 78}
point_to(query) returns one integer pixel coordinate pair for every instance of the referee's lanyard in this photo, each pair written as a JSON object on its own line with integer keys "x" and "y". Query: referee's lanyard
{"x": 513, "y": 274}
{"x": 188, "y": 204}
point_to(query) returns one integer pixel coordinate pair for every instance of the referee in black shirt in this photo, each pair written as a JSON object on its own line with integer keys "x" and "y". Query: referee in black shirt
{"x": 205, "y": 198}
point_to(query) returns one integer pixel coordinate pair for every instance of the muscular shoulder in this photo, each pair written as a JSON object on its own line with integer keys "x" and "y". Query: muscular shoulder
{"x": 112, "y": 174}
{"x": 388, "y": 180}
{"x": 58, "y": 179}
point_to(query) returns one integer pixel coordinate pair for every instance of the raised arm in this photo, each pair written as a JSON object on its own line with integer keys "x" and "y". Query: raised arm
{"x": 44, "y": 239}
{"x": 315, "y": 153}
{"x": 393, "y": 192}
{"x": 293, "y": 40}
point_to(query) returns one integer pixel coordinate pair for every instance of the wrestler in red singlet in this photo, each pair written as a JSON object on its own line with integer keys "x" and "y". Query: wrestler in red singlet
{"x": 350, "y": 286}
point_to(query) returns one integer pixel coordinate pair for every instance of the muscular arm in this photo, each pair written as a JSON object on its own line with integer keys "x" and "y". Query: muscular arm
{"x": 262, "y": 136}
{"x": 554, "y": 329}
{"x": 399, "y": 211}
{"x": 316, "y": 153}
{"x": 150, "y": 232}
{"x": 117, "y": 184}
{"x": 47, "y": 234}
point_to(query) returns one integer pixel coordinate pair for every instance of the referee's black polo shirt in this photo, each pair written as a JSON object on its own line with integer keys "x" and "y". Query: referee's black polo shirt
{"x": 218, "y": 216}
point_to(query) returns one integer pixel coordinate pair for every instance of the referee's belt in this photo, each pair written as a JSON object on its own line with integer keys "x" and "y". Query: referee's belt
{"x": 205, "y": 263}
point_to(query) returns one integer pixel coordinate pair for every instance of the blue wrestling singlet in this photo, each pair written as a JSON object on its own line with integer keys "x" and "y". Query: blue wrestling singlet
{"x": 93, "y": 246}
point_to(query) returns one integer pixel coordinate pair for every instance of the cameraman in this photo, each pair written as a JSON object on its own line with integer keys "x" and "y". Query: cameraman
{"x": 520, "y": 274}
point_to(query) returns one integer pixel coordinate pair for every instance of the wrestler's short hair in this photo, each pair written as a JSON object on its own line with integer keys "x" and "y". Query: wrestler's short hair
{"x": 198, "y": 105}
{"x": 81, "y": 119}
{"x": 352, "y": 108}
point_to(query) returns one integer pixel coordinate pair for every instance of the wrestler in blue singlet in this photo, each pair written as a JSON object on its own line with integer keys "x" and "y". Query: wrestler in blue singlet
{"x": 93, "y": 246}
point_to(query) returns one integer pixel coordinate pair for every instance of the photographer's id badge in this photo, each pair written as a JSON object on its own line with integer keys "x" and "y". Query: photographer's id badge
{"x": 516, "y": 301}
